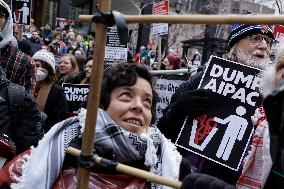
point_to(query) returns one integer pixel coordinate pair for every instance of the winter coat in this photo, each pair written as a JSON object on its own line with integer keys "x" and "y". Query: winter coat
{"x": 67, "y": 78}
{"x": 18, "y": 66}
{"x": 23, "y": 127}
{"x": 56, "y": 106}
{"x": 46, "y": 34}
{"x": 273, "y": 106}
{"x": 35, "y": 44}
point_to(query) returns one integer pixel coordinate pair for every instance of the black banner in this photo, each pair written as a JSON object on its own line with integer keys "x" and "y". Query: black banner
{"x": 75, "y": 95}
{"x": 223, "y": 133}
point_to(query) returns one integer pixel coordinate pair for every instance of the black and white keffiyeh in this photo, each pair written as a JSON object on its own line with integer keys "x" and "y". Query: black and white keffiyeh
{"x": 44, "y": 163}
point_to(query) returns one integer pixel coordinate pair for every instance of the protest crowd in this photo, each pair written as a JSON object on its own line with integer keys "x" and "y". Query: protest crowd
{"x": 221, "y": 128}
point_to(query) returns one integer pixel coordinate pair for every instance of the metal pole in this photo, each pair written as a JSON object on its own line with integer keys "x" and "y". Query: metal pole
{"x": 200, "y": 19}
{"x": 94, "y": 96}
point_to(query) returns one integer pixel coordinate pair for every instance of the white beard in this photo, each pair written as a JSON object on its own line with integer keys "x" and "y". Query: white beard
{"x": 268, "y": 80}
{"x": 248, "y": 59}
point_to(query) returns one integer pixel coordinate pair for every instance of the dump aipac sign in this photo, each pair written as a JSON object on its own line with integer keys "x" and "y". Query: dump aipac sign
{"x": 223, "y": 133}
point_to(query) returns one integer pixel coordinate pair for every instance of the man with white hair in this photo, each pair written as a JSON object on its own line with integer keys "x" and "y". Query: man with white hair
{"x": 249, "y": 45}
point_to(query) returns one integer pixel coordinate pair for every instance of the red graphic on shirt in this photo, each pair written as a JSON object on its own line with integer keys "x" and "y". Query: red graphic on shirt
{"x": 207, "y": 124}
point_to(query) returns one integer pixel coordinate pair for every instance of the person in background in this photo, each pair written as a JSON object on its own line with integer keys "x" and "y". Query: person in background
{"x": 171, "y": 62}
{"x": 46, "y": 32}
{"x": 67, "y": 69}
{"x": 25, "y": 47}
{"x": 50, "y": 97}
{"x": 272, "y": 91}
{"x": 18, "y": 66}
{"x": 81, "y": 61}
{"x": 70, "y": 39}
{"x": 90, "y": 48}
{"x": 57, "y": 45}
{"x": 35, "y": 42}
{"x": 137, "y": 57}
{"x": 84, "y": 76}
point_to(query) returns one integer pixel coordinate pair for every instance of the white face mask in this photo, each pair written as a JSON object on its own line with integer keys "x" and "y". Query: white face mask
{"x": 41, "y": 74}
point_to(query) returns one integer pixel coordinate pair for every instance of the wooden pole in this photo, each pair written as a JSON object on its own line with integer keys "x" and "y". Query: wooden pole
{"x": 132, "y": 171}
{"x": 94, "y": 95}
{"x": 200, "y": 19}
{"x": 159, "y": 51}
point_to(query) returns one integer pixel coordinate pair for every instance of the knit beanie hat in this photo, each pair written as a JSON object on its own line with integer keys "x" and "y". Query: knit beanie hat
{"x": 241, "y": 31}
{"x": 174, "y": 60}
{"x": 45, "y": 56}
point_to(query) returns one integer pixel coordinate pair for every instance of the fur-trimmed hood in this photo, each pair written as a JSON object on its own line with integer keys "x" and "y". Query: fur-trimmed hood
{"x": 7, "y": 31}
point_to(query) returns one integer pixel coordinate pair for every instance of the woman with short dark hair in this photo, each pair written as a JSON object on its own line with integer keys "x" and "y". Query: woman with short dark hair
{"x": 124, "y": 133}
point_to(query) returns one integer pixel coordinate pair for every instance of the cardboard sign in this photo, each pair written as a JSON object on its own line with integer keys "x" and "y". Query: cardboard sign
{"x": 21, "y": 11}
{"x": 115, "y": 50}
{"x": 223, "y": 133}
{"x": 165, "y": 89}
{"x": 75, "y": 95}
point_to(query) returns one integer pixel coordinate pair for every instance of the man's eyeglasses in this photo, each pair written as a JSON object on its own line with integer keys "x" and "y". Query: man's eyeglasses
{"x": 257, "y": 38}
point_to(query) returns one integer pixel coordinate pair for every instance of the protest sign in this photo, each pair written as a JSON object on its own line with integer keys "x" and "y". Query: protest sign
{"x": 165, "y": 88}
{"x": 75, "y": 95}
{"x": 21, "y": 11}
{"x": 160, "y": 7}
{"x": 223, "y": 133}
{"x": 115, "y": 50}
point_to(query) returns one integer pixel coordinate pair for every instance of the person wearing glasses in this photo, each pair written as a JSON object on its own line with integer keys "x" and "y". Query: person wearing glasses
{"x": 19, "y": 67}
{"x": 249, "y": 45}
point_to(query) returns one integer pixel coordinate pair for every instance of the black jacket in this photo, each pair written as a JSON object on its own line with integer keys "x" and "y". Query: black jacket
{"x": 56, "y": 106}
{"x": 274, "y": 109}
{"x": 24, "y": 127}
{"x": 170, "y": 125}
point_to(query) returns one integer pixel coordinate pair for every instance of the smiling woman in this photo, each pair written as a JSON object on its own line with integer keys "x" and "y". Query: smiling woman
{"x": 124, "y": 134}
{"x": 67, "y": 70}
{"x": 129, "y": 97}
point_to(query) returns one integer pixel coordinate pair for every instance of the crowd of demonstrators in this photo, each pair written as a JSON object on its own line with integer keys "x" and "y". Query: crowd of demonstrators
{"x": 50, "y": 96}
{"x": 127, "y": 107}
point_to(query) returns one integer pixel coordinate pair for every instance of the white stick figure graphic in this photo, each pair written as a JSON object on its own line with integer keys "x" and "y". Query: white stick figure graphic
{"x": 236, "y": 129}
{"x": 25, "y": 13}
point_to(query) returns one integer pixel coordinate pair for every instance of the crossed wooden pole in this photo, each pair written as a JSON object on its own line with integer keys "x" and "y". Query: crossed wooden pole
{"x": 97, "y": 73}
